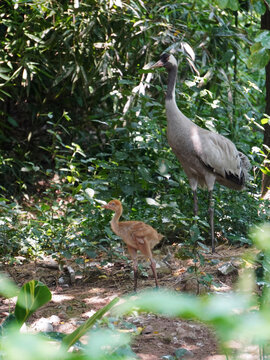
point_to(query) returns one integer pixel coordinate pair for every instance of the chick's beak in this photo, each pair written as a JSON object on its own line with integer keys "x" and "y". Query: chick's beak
{"x": 158, "y": 64}
{"x": 105, "y": 206}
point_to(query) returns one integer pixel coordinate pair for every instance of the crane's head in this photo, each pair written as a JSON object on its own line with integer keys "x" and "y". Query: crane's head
{"x": 166, "y": 60}
{"x": 113, "y": 205}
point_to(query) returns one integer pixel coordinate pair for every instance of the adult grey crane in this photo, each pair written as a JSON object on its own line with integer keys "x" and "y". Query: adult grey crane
{"x": 206, "y": 156}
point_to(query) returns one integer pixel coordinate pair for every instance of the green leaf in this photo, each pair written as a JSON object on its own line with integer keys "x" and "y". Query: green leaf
{"x": 259, "y": 7}
{"x": 163, "y": 302}
{"x": 103, "y": 342}
{"x": 181, "y": 353}
{"x": 261, "y": 237}
{"x": 33, "y": 37}
{"x": 259, "y": 59}
{"x": 255, "y": 47}
{"x": 194, "y": 233}
{"x": 8, "y": 288}
{"x": 3, "y": 76}
{"x": 72, "y": 338}
{"x": 58, "y": 336}
{"x": 230, "y": 4}
{"x": 32, "y": 296}
{"x": 9, "y": 322}
{"x": 265, "y": 121}
{"x": 12, "y": 121}
{"x": 233, "y": 5}
{"x": 29, "y": 347}
{"x": 120, "y": 156}
{"x": 222, "y": 3}
{"x": 264, "y": 38}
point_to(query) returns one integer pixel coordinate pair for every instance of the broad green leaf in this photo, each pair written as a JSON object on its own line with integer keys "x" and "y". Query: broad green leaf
{"x": 233, "y": 5}
{"x": 33, "y": 37}
{"x": 8, "y": 288}
{"x": 162, "y": 302}
{"x": 262, "y": 35}
{"x": 259, "y": 59}
{"x": 222, "y": 3}
{"x": 29, "y": 347}
{"x": 265, "y": 171}
{"x": 71, "y": 339}
{"x": 103, "y": 342}
{"x": 58, "y": 336}
{"x": 255, "y": 47}
{"x": 145, "y": 173}
{"x": 264, "y": 39}
{"x": 259, "y": 6}
{"x": 265, "y": 121}
{"x": 5, "y": 77}
{"x": 182, "y": 353}
{"x": 261, "y": 237}
{"x": 230, "y": 4}
{"x": 32, "y": 296}
{"x": 10, "y": 322}
{"x": 120, "y": 156}
{"x": 12, "y": 121}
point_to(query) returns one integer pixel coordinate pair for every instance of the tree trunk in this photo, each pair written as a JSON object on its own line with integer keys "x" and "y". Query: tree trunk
{"x": 265, "y": 25}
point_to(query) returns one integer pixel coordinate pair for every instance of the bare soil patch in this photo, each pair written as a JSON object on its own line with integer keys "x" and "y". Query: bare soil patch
{"x": 75, "y": 300}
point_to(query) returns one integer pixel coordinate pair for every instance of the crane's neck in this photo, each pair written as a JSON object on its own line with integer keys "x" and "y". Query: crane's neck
{"x": 172, "y": 75}
{"x": 174, "y": 114}
{"x": 115, "y": 220}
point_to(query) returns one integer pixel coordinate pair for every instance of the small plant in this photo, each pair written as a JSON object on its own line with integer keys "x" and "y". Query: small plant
{"x": 31, "y": 297}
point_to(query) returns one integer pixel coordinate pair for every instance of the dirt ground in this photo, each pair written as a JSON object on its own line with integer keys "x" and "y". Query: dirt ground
{"x": 75, "y": 297}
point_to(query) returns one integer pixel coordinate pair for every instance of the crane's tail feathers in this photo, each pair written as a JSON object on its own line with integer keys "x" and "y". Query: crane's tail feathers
{"x": 245, "y": 165}
{"x": 236, "y": 181}
{"x": 243, "y": 175}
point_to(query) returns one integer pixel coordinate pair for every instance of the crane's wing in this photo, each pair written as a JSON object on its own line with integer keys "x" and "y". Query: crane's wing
{"x": 217, "y": 153}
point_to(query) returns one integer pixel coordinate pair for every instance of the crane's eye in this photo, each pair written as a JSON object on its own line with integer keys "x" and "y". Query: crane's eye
{"x": 113, "y": 204}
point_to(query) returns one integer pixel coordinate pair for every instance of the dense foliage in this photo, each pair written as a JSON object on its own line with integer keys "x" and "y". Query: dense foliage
{"x": 82, "y": 121}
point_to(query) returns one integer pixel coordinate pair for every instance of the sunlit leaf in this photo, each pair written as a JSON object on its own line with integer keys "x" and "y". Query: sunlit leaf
{"x": 102, "y": 342}
{"x": 8, "y": 288}
{"x": 70, "y": 339}
{"x": 29, "y": 347}
{"x": 32, "y": 296}
{"x": 265, "y": 121}
{"x": 259, "y": 59}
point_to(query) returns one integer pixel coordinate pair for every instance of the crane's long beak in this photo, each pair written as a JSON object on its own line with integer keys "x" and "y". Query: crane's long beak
{"x": 159, "y": 63}
{"x": 105, "y": 206}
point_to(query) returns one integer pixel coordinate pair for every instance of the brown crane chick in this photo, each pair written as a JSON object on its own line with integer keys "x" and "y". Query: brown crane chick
{"x": 137, "y": 235}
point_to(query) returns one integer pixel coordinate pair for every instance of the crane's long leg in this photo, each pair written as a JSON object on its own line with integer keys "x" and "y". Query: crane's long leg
{"x": 195, "y": 202}
{"x": 211, "y": 216}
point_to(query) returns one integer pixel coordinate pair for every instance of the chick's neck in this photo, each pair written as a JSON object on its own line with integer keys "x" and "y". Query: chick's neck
{"x": 115, "y": 220}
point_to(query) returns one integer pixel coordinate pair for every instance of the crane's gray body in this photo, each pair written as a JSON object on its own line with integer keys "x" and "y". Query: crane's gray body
{"x": 206, "y": 156}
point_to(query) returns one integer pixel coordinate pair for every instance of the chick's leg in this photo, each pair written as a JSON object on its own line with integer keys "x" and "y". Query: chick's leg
{"x": 153, "y": 267}
{"x": 146, "y": 251}
{"x": 133, "y": 254}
